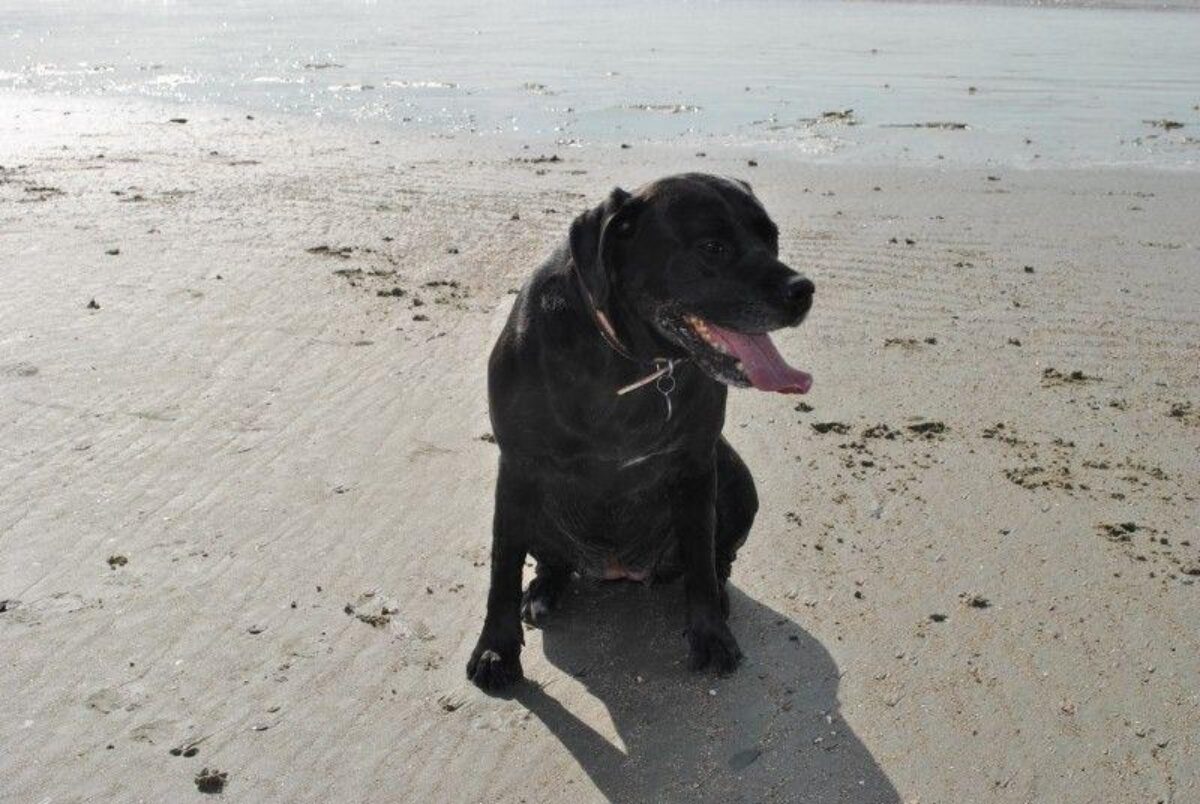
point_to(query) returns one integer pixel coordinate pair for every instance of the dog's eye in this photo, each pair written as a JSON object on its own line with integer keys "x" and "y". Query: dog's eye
{"x": 715, "y": 247}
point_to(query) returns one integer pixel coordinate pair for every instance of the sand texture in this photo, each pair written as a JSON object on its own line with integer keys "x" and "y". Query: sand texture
{"x": 246, "y": 482}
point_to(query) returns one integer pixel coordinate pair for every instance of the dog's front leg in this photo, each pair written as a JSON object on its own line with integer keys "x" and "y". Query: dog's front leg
{"x": 496, "y": 661}
{"x": 693, "y": 514}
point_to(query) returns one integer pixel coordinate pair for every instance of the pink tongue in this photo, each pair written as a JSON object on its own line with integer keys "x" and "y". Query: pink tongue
{"x": 762, "y": 363}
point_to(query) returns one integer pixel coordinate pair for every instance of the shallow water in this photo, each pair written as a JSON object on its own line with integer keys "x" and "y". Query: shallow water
{"x": 1079, "y": 84}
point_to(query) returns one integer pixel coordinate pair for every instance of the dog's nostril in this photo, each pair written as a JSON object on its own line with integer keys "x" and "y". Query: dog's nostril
{"x": 799, "y": 289}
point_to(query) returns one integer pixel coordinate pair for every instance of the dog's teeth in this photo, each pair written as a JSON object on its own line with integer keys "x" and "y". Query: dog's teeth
{"x": 700, "y": 327}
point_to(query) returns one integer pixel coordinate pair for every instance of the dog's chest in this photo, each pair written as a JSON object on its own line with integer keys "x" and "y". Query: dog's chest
{"x": 621, "y": 532}
{"x": 609, "y": 503}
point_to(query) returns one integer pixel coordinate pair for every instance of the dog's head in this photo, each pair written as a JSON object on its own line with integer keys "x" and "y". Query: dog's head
{"x": 689, "y": 265}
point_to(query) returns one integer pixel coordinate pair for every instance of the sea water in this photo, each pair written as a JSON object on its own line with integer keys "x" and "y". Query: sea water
{"x": 828, "y": 81}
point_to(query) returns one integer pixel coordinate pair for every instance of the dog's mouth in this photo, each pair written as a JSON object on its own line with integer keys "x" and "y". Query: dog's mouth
{"x": 740, "y": 358}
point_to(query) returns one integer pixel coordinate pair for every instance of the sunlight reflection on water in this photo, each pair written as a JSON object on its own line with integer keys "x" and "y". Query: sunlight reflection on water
{"x": 1078, "y": 85}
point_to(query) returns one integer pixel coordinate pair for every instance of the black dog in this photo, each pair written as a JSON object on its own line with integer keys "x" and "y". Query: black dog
{"x": 607, "y": 395}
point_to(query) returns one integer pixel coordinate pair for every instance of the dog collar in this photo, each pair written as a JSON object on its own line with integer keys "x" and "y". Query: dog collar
{"x": 665, "y": 370}
{"x": 663, "y": 374}
{"x": 607, "y": 331}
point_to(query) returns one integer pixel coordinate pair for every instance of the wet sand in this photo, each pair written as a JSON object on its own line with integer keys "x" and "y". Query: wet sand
{"x": 245, "y": 506}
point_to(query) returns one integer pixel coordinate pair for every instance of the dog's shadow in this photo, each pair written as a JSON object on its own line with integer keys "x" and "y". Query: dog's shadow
{"x": 771, "y": 731}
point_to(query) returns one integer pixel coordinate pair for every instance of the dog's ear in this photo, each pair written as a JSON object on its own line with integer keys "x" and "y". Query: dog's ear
{"x": 745, "y": 185}
{"x": 591, "y": 238}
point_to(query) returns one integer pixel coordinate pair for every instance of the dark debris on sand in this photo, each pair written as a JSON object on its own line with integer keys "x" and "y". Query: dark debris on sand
{"x": 211, "y": 781}
{"x": 1052, "y": 376}
{"x": 928, "y": 429}
{"x": 944, "y": 125}
{"x": 342, "y": 252}
{"x": 881, "y": 430}
{"x": 910, "y": 342}
{"x": 1122, "y": 532}
{"x": 1164, "y": 557}
{"x": 975, "y": 601}
{"x": 541, "y": 159}
{"x": 379, "y": 620}
{"x": 1185, "y": 412}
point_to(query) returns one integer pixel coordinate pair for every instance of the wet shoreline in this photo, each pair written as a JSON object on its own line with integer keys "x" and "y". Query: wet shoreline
{"x": 870, "y": 83}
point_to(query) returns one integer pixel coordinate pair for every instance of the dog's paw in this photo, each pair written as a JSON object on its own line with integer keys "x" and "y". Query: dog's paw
{"x": 711, "y": 644}
{"x": 494, "y": 667}
{"x": 539, "y": 600}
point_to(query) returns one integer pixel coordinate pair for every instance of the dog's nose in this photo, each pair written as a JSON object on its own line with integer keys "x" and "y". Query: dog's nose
{"x": 799, "y": 291}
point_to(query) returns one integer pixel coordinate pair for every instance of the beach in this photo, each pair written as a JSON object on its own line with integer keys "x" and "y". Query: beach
{"x": 247, "y": 468}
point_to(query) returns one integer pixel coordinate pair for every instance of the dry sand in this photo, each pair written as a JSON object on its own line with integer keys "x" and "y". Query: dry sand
{"x": 245, "y": 505}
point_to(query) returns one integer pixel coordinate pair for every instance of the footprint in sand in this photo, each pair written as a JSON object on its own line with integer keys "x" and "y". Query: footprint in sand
{"x": 154, "y": 732}
{"x": 21, "y": 369}
{"x": 104, "y": 701}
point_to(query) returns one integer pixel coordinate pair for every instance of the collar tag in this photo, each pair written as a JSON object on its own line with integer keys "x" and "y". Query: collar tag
{"x": 663, "y": 378}
{"x": 666, "y": 384}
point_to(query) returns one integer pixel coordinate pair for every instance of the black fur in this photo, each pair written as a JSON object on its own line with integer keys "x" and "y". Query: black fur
{"x": 588, "y": 479}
